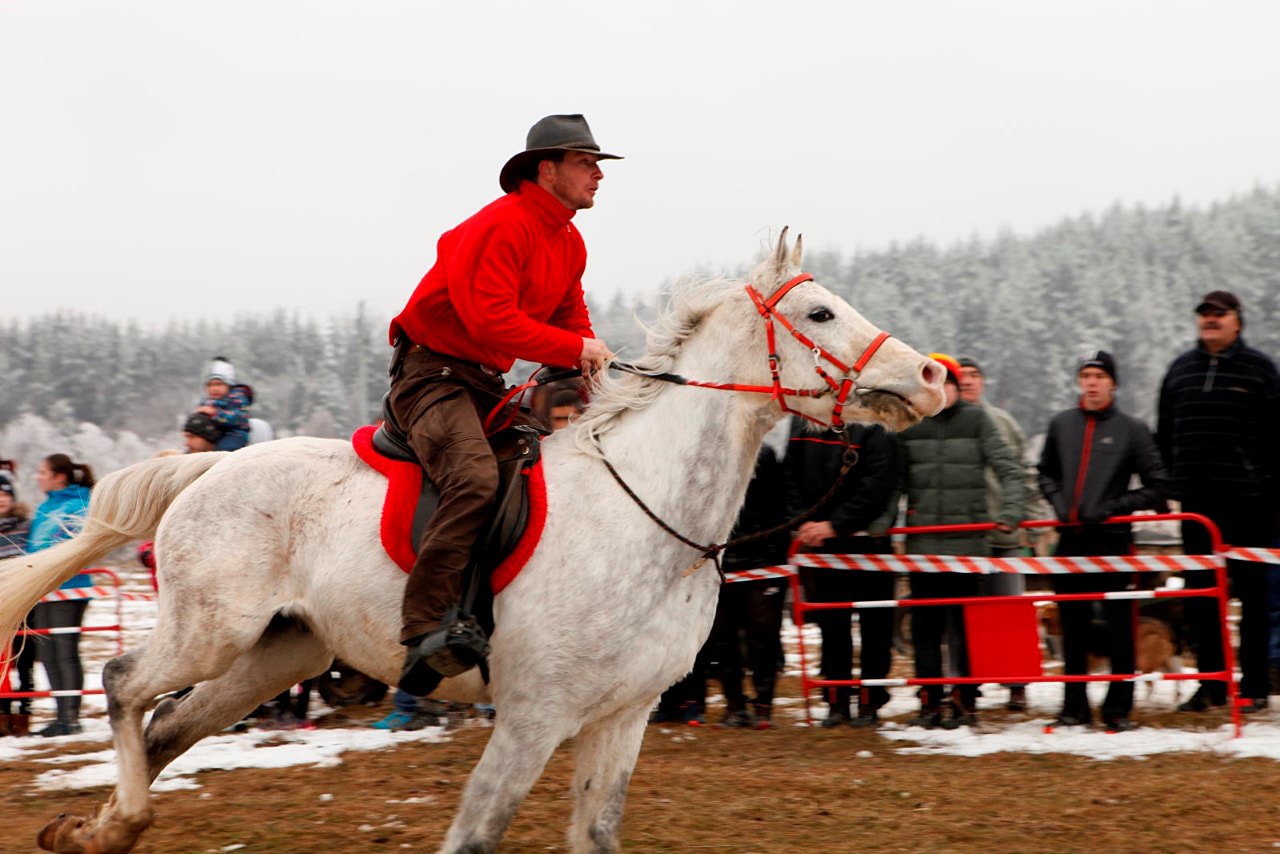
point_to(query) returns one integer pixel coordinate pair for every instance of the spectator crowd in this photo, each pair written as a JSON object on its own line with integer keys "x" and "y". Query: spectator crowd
{"x": 1210, "y": 451}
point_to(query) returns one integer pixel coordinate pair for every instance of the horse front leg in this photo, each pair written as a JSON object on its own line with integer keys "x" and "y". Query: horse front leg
{"x": 606, "y": 755}
{"x": 513, "y": 760}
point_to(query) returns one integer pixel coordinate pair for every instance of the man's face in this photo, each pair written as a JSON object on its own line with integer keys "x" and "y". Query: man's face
{"x": 952, "y": 392}
{"x": 216, "y": 389}
{"x": 971, "y": 385}
{"x": 573, "y": 181}
{"x": 195, "y": 444}
{"x": 561, "y": 416}
{"x": 6, "y": 503}
{"x": 1097, "y": 389}
{"x": 1218, "y": 329}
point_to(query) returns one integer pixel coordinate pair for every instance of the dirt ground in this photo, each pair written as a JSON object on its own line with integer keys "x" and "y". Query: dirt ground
{"x": 707, "y": 789}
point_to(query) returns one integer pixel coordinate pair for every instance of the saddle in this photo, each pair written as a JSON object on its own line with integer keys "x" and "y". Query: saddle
{"x": 516, "y": 523}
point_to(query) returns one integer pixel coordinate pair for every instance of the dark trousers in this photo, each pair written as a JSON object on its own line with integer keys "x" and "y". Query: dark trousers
{"x": 748, "y": 615}
{"x": 441, "y": 403}
{"x": 929, "y": 623}
{"x": 22, "y": 678}
{"x": 875, "y": 626}
{"x": 1077, "y": 621}
{"x": 60, "y": 654}
{"x": 1243, "y": 523}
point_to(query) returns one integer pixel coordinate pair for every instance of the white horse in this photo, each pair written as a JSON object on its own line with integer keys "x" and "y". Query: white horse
{"x": 270, "y": 560}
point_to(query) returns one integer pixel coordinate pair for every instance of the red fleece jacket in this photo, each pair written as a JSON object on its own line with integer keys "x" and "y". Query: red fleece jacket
{"x": 506, "y": 285}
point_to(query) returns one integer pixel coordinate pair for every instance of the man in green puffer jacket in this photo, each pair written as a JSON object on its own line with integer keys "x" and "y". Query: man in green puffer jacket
{"x": 943, "y": 475}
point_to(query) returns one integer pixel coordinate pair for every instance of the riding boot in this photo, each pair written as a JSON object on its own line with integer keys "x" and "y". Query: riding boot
{"x": 20, "y": 724}
{"x": 458, "y": 645}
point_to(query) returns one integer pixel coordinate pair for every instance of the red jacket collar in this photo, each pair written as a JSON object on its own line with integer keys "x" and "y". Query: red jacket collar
{"x": 546, "y": 203}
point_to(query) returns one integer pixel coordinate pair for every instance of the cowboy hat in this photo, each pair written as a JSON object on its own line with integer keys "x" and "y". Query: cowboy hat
{"x": 552, "y": 133}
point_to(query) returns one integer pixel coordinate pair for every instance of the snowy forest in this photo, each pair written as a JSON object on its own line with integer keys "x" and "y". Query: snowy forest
{"x": 1025, "y": 306}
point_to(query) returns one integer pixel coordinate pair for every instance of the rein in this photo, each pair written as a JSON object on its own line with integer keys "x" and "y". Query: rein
{"x": 712, "y": 551}
{"x": 842, "y": 388}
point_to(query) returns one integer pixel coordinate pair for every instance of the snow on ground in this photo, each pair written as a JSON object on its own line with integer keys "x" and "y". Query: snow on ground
{"x": 257, "y": 748}
{"x": 254, "y": 748}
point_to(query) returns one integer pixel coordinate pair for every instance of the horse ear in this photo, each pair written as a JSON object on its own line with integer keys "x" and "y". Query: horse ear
{"x": 781, "y": 263}
{"x": 779, "y": 260}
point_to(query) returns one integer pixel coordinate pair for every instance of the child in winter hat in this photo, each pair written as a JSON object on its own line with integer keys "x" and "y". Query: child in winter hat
{"x": 226, "y": 404}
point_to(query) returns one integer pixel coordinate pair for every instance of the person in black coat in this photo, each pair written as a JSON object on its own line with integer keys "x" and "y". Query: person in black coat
{"x": 748, "y": 616}
{"x": 1219, "y": 411}
{"x": 749, "y": 613}
{"x": 1090, "y": 455}
{"x": 853, "y": 521}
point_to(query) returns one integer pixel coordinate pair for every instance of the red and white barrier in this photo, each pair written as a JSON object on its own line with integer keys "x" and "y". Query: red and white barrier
{"x": 72, "y": 593}
{"x": 759, "y": 574}
{"x": 1254, "y": 555}
{"x": 1016, "y": 565}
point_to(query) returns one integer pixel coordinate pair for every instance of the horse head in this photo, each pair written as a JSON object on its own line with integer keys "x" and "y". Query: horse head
{"x": 826, "y": 362}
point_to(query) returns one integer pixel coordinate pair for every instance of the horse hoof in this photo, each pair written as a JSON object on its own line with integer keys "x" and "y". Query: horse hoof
{"x": 54, "y": 835}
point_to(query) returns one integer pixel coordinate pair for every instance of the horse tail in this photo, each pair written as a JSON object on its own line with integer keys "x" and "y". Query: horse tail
{"x": 125, "y": 505}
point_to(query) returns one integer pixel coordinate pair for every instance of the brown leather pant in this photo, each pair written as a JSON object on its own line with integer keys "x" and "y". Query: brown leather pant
{"x": 441, "y": 403}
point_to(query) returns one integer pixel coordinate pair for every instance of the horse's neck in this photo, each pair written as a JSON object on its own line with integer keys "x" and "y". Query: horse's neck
{"x": 690, "y": 454}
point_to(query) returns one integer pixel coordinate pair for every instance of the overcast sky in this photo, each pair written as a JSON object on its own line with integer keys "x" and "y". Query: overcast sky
{"x": 188, "y": 159}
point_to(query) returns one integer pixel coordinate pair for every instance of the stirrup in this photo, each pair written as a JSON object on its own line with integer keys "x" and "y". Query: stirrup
{"x": 456, "y": 647}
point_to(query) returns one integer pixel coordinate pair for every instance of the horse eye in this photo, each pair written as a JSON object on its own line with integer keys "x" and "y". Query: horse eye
{"x": 821, "y": 315}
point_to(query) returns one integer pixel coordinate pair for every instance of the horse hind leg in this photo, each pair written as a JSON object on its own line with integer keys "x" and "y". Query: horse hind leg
{"x": 287, "y": 654}
{"x": 606, "y": 755}
{"x": 116, "y": 827}
{"x": 283, "y": 655}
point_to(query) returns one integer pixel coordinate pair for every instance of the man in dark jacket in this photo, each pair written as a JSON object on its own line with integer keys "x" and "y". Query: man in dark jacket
{"x": 853, "y": 521}
{"x": 1090, "y": 454}
{"x": 1219, "y": 410}
{"x": 943, "y": 474}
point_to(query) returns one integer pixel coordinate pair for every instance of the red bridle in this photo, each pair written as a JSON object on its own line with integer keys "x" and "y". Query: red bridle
{"x": 842, "y": 387}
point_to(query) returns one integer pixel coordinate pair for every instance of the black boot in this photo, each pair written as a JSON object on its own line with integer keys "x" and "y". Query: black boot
{"x": 451, "y": 650}
{"x": 868, "y": 710}
{"x": 838, "y": 707}
{"x": 763, "y": 713}
{"x": 963, "y": 712}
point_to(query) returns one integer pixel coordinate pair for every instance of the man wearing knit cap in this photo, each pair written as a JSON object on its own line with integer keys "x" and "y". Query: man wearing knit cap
{"x": 943, "y": 475}
{"x": 506, "y": 285}
{"x": 1218, "y": 414}
{"x": 1090, "y": 455}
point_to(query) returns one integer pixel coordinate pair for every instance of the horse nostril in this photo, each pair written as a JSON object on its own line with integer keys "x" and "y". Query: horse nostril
{"x": 931, "y": 372}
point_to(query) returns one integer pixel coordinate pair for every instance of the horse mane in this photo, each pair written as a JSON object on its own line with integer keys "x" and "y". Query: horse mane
{"x": 688, "y": 302}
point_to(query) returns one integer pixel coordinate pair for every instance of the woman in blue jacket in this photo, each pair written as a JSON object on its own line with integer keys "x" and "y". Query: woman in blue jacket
{"x": 59, "y": 518}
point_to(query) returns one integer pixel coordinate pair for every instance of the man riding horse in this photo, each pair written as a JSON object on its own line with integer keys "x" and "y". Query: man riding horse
{"x": 506, "y": 285}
